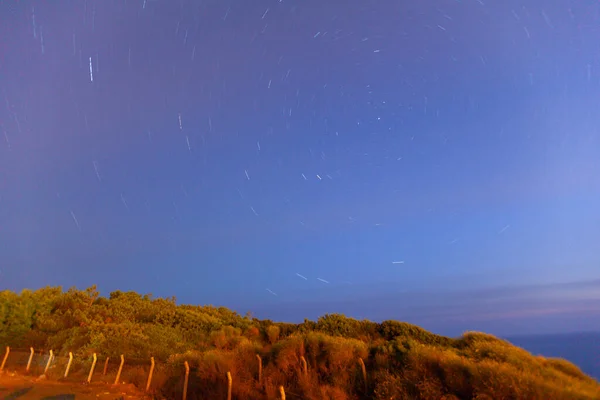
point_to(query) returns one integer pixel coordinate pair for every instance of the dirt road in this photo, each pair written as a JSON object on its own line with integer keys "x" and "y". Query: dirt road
{"x": 18, "y": 387}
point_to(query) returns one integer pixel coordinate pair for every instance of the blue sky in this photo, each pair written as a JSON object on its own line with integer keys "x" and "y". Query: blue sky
{"x": 381, "y": 159}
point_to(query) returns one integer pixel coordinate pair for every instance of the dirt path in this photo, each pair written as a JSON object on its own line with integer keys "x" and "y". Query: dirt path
{"x": 19, "y": 387}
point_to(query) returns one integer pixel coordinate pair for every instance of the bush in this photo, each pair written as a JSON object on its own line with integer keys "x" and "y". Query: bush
{"x": 403, "y": 361}
{"x": 273, "y": 333}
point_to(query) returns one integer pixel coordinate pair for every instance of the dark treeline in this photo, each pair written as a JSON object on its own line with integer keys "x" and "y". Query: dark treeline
{"x": 402, "y": 361}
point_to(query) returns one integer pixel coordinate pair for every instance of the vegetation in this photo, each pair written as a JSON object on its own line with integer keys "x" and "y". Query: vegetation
{"x": 402, "y": 361}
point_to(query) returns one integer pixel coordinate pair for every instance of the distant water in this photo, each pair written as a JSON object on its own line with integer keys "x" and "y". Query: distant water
{"x": 582, "y": 349}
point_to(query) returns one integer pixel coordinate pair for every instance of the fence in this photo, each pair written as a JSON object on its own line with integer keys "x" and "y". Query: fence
{"x": 111, "y": 371}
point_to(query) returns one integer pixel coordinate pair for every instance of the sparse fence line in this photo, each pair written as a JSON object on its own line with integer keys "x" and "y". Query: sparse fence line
{"x": 304, "y": 365}
{"x": 259, "y": 368}
{"x": 89, "y": 379}
{"x": 68, "y": 365}
{"x": 229, "y": 385}
{"x": 105, "y": 365}
{"x": 49, "y": 361}
{"x": 150, "y": 374}
{"x": 5, "y": 358}
{"x": 52, "y": 357}
{"x": 363, "y": 369}
{"x": 120, "y": 369}
{"x": 31, "y": 353}
{"x": 187, "y": 379}
{"x": 282, "y": 392}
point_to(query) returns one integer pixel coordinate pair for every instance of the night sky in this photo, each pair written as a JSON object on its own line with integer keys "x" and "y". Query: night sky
{"x": 436, "y": 162}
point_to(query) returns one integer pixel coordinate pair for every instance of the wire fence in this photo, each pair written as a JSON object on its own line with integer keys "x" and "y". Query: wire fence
{"x": 148, "y": 375}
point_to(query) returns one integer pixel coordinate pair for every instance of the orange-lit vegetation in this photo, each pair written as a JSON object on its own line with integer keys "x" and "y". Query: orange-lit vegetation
{"x": 313, "y": 360}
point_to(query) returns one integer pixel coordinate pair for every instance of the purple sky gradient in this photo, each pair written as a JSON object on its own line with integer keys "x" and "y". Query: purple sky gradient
{"x": 217, "y": 149}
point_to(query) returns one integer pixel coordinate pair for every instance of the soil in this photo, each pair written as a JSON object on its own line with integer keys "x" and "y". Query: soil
{"x": 19, "y": 387}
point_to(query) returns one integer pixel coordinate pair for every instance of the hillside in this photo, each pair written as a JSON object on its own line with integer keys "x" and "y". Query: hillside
{"x": 581, "y": 348}
{"x": 312, "y": 360}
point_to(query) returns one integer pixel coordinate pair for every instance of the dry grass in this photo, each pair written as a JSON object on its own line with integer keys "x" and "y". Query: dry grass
{"x": 315, "y": 360}
{"x": 476, "y": 366}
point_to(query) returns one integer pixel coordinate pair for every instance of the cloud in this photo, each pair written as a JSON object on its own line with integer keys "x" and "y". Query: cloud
{"x": 502, "y": 310}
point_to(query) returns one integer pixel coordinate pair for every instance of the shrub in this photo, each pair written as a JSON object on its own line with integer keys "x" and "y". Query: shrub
{"x": 273, "y": 333}
{"x": 402, "y": 360}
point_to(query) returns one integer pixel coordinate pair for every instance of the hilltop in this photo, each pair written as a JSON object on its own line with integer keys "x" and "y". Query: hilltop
{"x": 326, "y": 359}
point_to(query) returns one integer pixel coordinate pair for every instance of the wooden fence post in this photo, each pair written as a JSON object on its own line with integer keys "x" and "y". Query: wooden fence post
{"x": 105, "y": 365}
{"x": 32, "y": 352}
{"x": 120, "y": 369}
{"x": 89, "y": 379}
{"x": 150, "y": 374}
{"x": 259, "y": 368}
{"x": 49, "y": 361}
{"x": 229, "y": 385}
{"x": 282, "y": 392}
{"x": 69, "y": 364}
{"x": 187, "y": 377}
{"x": 304, "y": 365}
{"x": 364, "y": 373}
{"x": 5, "y": 358}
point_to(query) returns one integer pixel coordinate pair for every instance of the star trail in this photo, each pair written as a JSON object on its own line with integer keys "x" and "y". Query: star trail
{"x": 382, "y": 159}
